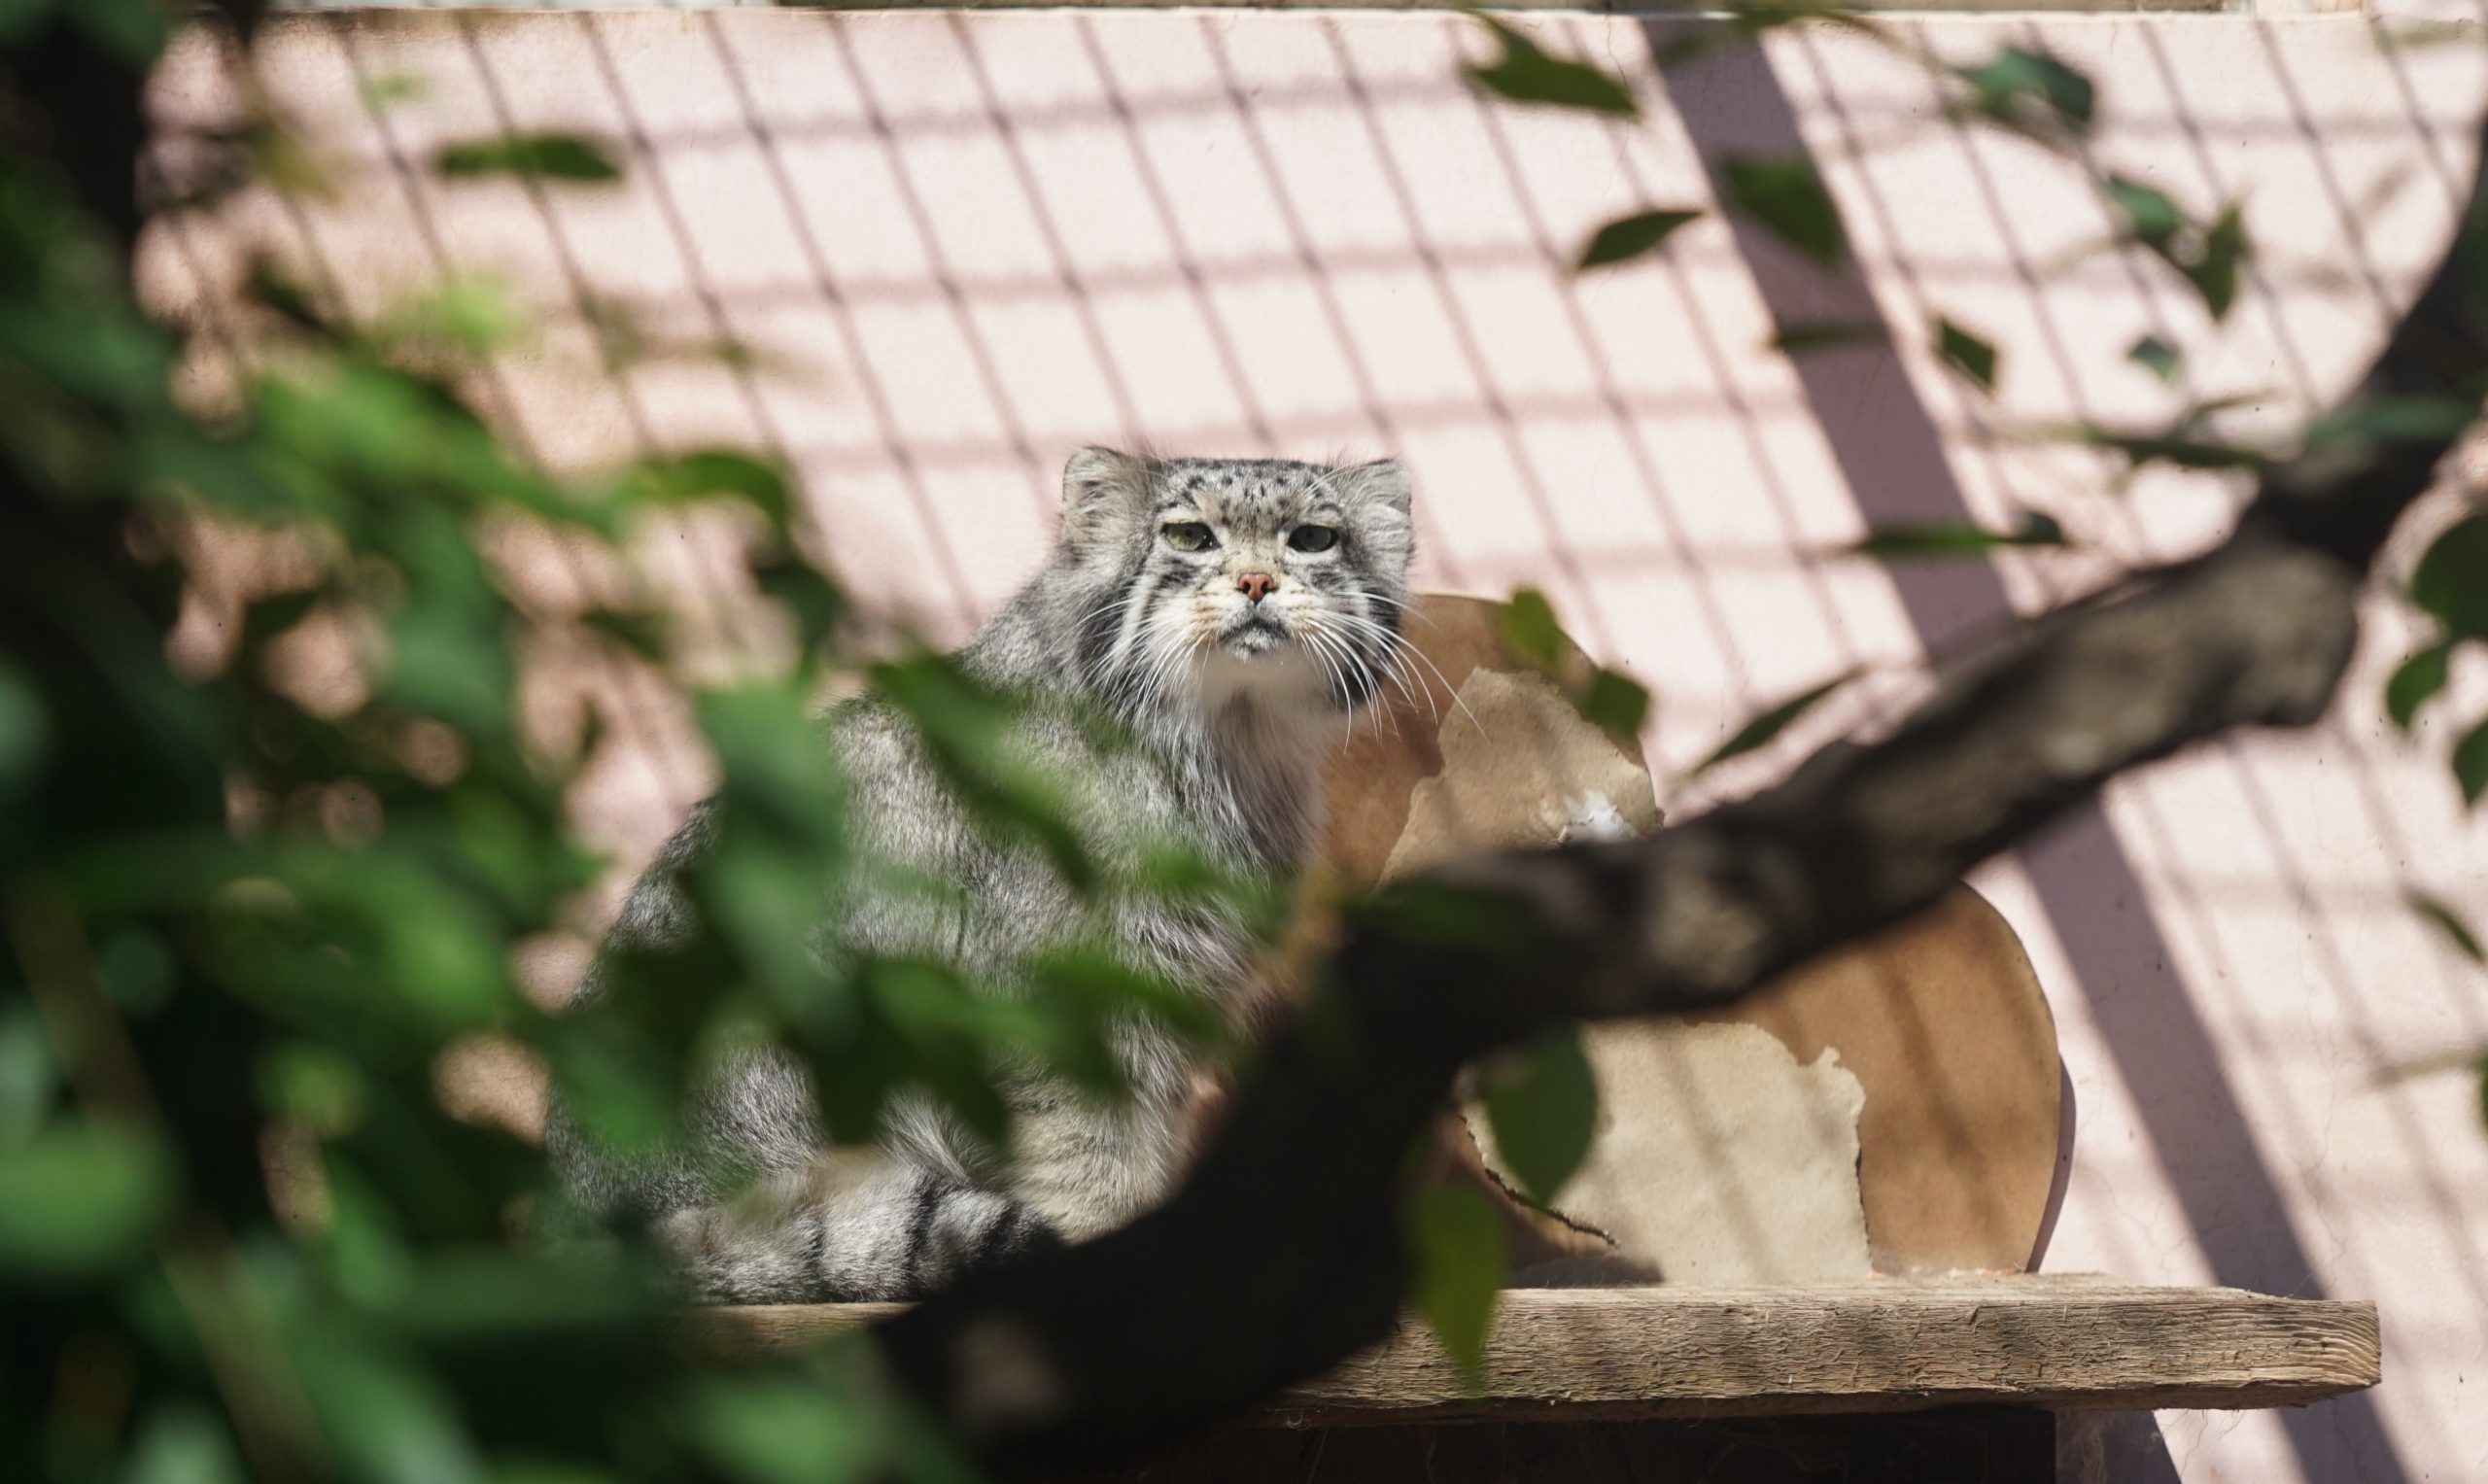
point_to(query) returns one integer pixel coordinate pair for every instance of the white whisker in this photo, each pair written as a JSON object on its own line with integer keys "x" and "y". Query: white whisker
{"x": 1406, "y": 608}
{"x": 1323, "y": 648}
{"x": 1390, "y": 671}
{"x": 1334, "y": 658}
{"x": 1394, "y": 642}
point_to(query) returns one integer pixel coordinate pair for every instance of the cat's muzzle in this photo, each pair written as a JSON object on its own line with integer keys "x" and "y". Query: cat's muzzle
{"x": 1255, "y": 633}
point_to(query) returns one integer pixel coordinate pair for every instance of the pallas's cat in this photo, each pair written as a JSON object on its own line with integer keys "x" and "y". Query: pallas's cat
{"x": 1229, "y": 612}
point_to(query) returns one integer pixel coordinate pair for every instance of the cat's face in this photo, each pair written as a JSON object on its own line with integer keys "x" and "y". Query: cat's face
{"x": 1227, "y": 578}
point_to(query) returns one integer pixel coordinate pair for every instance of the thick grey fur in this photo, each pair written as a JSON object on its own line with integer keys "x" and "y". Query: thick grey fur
{"x": 1235, "y": 701}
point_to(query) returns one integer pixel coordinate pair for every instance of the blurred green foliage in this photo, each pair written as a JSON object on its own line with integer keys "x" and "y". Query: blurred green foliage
{"x": 247, "y": 922}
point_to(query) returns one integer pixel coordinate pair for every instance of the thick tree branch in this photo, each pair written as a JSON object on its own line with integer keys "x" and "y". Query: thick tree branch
{"x": 1281, "y": 1255}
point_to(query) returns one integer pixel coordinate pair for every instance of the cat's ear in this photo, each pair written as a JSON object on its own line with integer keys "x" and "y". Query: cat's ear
{"x": 1382, "y": 481}
{"x": 1097, "y": 484}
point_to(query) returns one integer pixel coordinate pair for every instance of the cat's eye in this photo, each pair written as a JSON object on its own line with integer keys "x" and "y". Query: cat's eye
{"x": 1188, "y": 535}
{"x": 1314, "y": 537}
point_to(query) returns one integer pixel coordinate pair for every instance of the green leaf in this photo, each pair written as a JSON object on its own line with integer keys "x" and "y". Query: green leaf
{"x": 2471, "y": 763}
{"x": 1958, "y": 539}
{"x": 137, "y": 970}
{"x": 770, "y": 750}
{"x": 617, "y": 1086}
{"x": 971, "y": 735}
{"x": 2394, "y": 420}
{"x": 2155, "y": 355}
{"x": 469, "y": 1296}
{"x": 2451, "y": 581}
{"x": 281, "y": 159}
{"x": 2151, "y": 216}
{"x": 810, "y": 597}
{"x": 135, "y": 29}
{"x": 1799, "y": 339}
{"x": 278, "y": 291}
{"x": 1786, "y": 197}
{"x": 1542, "y": 1102}
{"x": 540, "y": 1471}
{"x": 1617, "y": 702}
{"x": 948, "y": 1025}
{"x": 391, "y": 1421}
{"x": 2444, "y": 919}
{"x": 16, "y": 17}
{"x": 444, "y": 667}
{"x": 2415, "y": 681}
{"x": 1525, "y": 73}
{"x": 1769, "y": 724}
{"x": 2179, "y": 450}
{"x": 2208, "y": 257}
{"x": 1631, "y": 236}
{"x": 1455, "y": 1247}
{"x": 2213, "y": 268}
{"x": 532, "y": 157}
{"x": 1530, "y": 628}
{"x": 705, "y": 473}
{"x": 183, "y": 1443}
{"x": 1966, "y": 353}
{"x": 25, "y": 729}
{"x": 641, "y": 633}
{"x": 768, "y": 1430}
{"x": 266, "y": 617}
{"x": 2026, "y": 88}
{"x": 388, "y": 90}
{"x": 84, "y": 353}
{"x": 28, "y": 1078}
{"x": 80, "y": 1199}
{"x": 311, "y": 1084}
{"x": 465, "y": 315}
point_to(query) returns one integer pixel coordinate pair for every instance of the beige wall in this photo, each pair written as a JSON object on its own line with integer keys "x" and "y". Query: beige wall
{"x": 962, "y": 245}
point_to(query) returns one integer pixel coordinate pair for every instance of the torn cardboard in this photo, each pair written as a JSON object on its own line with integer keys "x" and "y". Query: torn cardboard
{"x": 1892, "y": 1108}
{"x": 1719, "y": 1157}
{"x": 1519, "y": 767}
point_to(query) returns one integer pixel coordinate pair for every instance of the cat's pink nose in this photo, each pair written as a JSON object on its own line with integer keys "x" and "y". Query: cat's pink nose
{"x": 1255, "y": 585}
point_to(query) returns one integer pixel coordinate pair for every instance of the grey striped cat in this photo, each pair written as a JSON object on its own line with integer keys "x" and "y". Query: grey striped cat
{"x": 1234, "y": 615}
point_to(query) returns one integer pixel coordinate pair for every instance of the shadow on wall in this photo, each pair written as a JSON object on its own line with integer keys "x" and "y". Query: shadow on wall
{"x": 2093, "y": 897}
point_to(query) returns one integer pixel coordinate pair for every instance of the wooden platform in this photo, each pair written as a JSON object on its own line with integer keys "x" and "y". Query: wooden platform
{"x": 1587, "y": 1355}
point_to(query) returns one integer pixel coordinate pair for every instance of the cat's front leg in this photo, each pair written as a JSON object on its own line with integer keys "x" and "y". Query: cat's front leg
{"x": 1086, "y": 1169}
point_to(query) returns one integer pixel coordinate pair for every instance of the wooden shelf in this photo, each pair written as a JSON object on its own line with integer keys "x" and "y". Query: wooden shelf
{"x": 1556, "y": 1355}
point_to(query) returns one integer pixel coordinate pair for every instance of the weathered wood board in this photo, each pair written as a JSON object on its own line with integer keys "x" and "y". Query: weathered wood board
{"x": 1883, "y": 1346}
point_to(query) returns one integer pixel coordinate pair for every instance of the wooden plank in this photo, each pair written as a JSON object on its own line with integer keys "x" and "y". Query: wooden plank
{"x": 1578, "y": 1354}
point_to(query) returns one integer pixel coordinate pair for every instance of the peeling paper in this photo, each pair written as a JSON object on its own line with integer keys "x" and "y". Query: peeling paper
{"x": 1719, "y": 1157}
{"x": 1520, "y": 768}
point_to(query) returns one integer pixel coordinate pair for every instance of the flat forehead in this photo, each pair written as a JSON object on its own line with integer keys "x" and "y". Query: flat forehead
{"x": 1242, "y": 492}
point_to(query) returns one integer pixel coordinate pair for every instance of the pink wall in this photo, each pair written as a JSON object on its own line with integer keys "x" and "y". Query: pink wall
{"x": 963, "y": 246}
